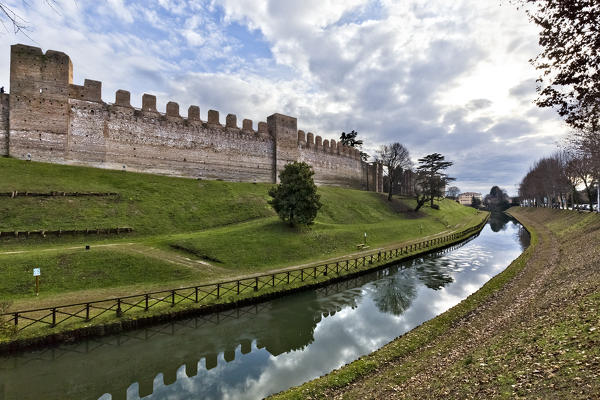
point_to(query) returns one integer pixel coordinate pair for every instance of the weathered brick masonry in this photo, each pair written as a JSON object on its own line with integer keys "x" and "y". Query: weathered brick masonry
{"x": 48, "y": 118}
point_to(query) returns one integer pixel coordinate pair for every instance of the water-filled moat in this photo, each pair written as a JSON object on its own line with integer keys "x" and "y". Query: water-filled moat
{"x": 258, "y": 350}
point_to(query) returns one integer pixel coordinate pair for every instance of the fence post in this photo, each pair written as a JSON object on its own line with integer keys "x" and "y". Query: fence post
{"x": 325, "y": 273}
{"x": 302, "y": 275}
{"x": 53, "y": 317}
{"x": 238, "y": 287}
{"x": 16, "y": 318}
{"x": 273, "y": 279}
{"x": 118, "y": 307}
{"x": 147, "y": 300}
{"x": 172, "y": 298}
{"x": 315, "y": 272}
{"x": 87, "y": 311}
{"x": 347, "y": 262}
{"x": 256, "y": 284}
{"x": 379, "y": 255}
{"x": 218, "y": 289}
{"x": 337, "y": 268}
{"x": 364, "y": 261}
{"x": 196, "y": 294}
{"x": 371, "y": 260}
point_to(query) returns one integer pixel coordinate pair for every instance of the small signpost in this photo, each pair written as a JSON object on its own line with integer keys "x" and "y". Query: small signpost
{"x": 37, "y": 272}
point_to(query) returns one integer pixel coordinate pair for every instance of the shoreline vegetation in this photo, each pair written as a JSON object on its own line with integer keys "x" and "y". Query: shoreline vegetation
{"x": 531, "y": 331}
{"x": 185, "y": 232}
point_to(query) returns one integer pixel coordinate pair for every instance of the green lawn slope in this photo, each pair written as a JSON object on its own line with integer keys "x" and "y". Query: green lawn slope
{"x": 186, "y": 231}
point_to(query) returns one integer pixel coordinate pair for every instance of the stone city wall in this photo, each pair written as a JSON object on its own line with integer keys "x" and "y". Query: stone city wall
{"x": 3, "y": 124}
{"x": 48, "y": 118}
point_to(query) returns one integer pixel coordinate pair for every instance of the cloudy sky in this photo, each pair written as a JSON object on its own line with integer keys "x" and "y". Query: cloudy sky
{"x": 438, "y": 76}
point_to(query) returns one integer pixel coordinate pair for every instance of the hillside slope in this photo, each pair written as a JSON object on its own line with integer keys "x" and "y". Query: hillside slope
{"x": 184, "y": 231}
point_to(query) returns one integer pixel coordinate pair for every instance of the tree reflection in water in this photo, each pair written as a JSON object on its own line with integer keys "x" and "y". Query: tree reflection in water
{"x": 395, "y": 293}
{"x": 498, "y": 221}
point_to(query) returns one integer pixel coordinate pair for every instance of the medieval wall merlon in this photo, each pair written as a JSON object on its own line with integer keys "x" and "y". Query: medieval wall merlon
{"x": 172, "y": 110}
{"x": 194, "y": 113}
{"x": 310, "y": 140}
{"x": 231, "y": 121}
{"x": 90, "y": 91}
{"x": 123, "y": 98}
{"x": 247, "y": 125}
{"x": 149, "y": 103}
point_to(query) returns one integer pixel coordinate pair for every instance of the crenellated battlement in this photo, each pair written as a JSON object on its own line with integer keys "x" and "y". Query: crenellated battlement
{"x": 49, "y": 118}
{"x": 328, "y": 146}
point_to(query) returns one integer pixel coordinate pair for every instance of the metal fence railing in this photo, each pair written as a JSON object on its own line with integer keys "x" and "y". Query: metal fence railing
{"x": 209, "y": 293}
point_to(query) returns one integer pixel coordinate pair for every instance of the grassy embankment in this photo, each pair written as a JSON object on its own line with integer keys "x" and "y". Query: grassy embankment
{"x": 186, "y": 232}
{"x": 532, "y": 331}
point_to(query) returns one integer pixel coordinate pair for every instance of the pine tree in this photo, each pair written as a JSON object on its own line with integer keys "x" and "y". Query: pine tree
{"x": 295, "y": 199}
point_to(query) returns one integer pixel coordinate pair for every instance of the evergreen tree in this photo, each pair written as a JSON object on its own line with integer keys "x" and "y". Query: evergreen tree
{"x": 295, "y": 199}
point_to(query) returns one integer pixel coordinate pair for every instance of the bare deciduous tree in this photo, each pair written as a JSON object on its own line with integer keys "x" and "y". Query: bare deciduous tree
{"x": 570, "y": 42}
{"x": 395, "y": 158}
{"x": 10, "y": 18}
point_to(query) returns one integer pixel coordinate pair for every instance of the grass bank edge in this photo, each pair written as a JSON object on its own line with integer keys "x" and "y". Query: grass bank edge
{"x": 415, "y": 338}
{"x": 10, "y": 341}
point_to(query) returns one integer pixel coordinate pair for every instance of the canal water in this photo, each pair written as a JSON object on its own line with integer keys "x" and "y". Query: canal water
{"x": 251, "y": 352}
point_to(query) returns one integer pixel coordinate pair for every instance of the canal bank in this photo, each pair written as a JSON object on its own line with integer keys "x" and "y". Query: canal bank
{"x": 66, "y": 323}
{"x": 531, "y": 331}
{"x": 251, "y": 352}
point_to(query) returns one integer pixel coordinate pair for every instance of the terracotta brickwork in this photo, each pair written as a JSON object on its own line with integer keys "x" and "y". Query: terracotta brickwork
{"x": 48, "y": 118}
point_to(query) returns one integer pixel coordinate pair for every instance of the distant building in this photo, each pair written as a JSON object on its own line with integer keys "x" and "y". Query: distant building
{"x": 466, "y": 198}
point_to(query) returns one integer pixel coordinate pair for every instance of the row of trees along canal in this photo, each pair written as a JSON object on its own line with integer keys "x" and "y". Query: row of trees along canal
{"x": 570, "y": 83}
